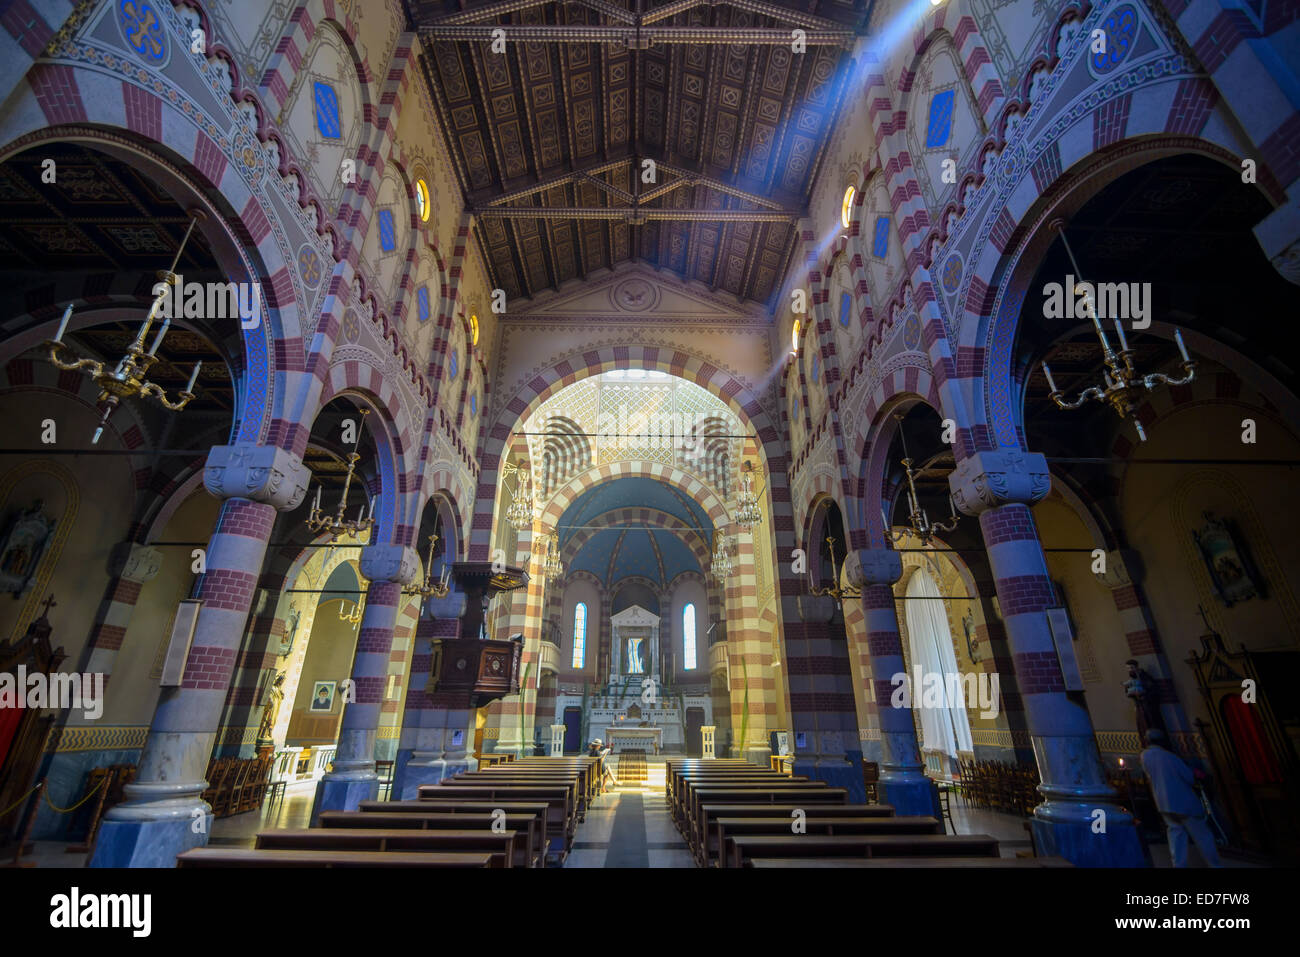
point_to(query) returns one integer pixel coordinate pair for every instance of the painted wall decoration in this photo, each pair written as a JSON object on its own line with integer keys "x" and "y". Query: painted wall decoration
{"x": 327, "y": 111}
{"x": 939, "y": 127}
{"x": 880, "y": 240}
{"x": 1228, "y": 562}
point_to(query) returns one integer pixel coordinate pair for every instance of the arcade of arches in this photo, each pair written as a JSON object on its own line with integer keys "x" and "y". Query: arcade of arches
{"x": 705, "y": 384}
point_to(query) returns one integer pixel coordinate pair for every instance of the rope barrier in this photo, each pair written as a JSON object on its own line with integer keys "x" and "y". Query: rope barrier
{"x": 54, "y": 807}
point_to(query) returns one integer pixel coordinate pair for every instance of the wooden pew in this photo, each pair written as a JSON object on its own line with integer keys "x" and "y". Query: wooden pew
{"x": 561, "y": 819}
{"x": 500, "y": 845}
{"x": 678, "y": 802}
{"x": 963, "y": 862}
{"x": 509, "y": 773}
{"x": 245, "y": 857}
{"x": 813, "y": 792}
{"x": 721, "y": 828}
{"x": 856, "y": 845}
{"x": 709, "y": 813}
{"x": 530, "y": 849}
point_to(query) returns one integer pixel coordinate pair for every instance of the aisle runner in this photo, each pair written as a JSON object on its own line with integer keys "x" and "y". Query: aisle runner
{"x": 627, "y": 841}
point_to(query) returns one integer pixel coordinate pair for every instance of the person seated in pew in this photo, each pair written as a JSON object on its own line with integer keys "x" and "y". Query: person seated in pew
{"x": 603, "y": 752}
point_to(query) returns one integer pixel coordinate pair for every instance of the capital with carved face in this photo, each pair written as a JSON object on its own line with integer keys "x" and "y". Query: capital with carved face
{"x": 262, "y": 473}
{"x": 990, "y": 479}
{"x": 390, "y": 563}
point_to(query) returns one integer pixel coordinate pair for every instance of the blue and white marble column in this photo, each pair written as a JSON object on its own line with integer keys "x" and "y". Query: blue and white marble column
{"x": 164, "y": 812}
{"x": 902, "y": 777}
{"x": 430, "y": 749}
{"x": 353, "y": 778}
{"x": 1080, "y": 818}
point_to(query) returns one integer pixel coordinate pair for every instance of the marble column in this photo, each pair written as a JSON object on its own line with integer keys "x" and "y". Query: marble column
{"x": 902, "y": 778}
{"x": 1079, "y": 818}
{"x": 163, "y": 812}
{"x": 130, "y": 566}
{"x": 353, "y": 778}
{"x": 429, "y": 749}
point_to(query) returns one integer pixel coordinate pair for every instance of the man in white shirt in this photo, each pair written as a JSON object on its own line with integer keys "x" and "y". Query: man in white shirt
{"x": 1177, "y": 801}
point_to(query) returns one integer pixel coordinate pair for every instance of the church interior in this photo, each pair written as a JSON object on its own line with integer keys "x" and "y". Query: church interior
{"x": 649, "y": 433}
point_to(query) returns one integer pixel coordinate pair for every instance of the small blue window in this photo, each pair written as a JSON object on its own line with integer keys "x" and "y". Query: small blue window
{"x": 940, "y": 125}
{"x": 817, "y": 366}
{"x": 846, "y": 303}
{"x": 794, "y": 414}
{"x": 327, "y": 111}
{"x": 880, "y": 241}
{"x": 422, "y": 297}
{"x": 387, "y": 231}
{"x": 473, "y": 405}
{"x": 454, "y": 368}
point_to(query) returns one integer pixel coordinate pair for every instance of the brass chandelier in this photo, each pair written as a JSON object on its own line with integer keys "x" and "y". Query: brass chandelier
{"x": 1122, "y": 386}
{"x": 128, "y": 379}
{"x": 436, "y": 589}
{"x": 919, "y": 523}
{"x": 336, "y": 525}
{"x": 836, "y": 589}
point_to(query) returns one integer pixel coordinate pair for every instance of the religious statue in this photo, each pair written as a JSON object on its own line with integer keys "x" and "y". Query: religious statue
{"x": 972, "y": 643}
{"x": 1142, "y": 689}
{"x": 291, "y": 629}
{"x": 270, "y": 709}
{"x": 24, "y": 544}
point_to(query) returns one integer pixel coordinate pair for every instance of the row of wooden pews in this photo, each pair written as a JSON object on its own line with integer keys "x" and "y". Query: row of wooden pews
{"x": 512, "y": 814}
{"x": 736, "y": 814}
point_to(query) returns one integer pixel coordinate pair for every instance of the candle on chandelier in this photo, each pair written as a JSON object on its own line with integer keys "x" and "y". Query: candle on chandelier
{"x": 1119, "y": 327}
{"x": 1051, "y": 384}
{"x": 194, "y": 376}
{"x": 63, "y": 324}
{"x": 1178, "y": 338}
{"x": 162, "y": 331}
{"x": 315, "y": 506}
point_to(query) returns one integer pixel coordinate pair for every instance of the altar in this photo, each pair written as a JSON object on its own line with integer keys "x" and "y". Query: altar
{"x": 647, "y": 739}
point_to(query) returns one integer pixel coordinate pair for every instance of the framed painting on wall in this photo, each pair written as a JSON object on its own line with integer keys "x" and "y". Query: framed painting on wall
{"x": 322, "y": 697}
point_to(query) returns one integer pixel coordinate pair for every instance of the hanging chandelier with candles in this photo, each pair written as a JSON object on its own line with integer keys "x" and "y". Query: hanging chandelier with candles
{"x": 554, "y": 568}
{"x": 919, "y": 523}
{"x": 429, "y": 587}
{"x": 128, "y": 378}
{"x": 1122, "y": 386}
{"x": 835, "y": 590}
{"x": 523, "y": 508}
{"x": 721, "y": 567}
{"x": 353, "y": 617}
{"x": 748, "y": 512}
{"x": 336, "y": 525}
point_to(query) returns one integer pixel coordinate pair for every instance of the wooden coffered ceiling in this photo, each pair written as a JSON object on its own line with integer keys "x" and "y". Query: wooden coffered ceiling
{"x": 550, "y": 138}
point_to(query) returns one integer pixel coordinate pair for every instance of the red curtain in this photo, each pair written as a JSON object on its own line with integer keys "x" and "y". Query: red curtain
{"x": 9, "y": 721}
{"x": 1253, "y": 751}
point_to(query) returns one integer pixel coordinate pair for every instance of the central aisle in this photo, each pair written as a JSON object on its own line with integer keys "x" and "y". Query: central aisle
{"x": 629, "y": 826}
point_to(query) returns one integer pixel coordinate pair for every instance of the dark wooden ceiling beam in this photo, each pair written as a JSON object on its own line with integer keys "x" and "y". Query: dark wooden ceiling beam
{"x": 773, "y": 10}
{"x": 636, "y": 37}
{"x": 646, "y": 214}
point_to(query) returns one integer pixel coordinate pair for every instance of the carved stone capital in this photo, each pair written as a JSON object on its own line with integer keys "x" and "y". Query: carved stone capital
{"x": 263, "y": 473}
{"x": 390, "y": 563}
{"x": 135, "y": 562}
{"x": 991, "y": 479}
{"x": 873, "y": 566}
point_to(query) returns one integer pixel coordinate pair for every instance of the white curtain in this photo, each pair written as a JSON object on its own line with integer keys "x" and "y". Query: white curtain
{"x": 944, "y": 728}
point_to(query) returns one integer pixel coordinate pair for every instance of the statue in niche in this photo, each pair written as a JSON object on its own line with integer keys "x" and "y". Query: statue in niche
{"x": 635, "y": 665}
{"x": 1226, "y": 559}
{"x": 24, "y": 543}
{"x": 972, "y": 642}
{"x": 270, "y": 710}
{"x": 291, "y": 629}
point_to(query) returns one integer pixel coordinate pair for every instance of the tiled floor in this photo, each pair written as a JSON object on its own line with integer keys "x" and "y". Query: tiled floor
{"x": 630, "y": 827}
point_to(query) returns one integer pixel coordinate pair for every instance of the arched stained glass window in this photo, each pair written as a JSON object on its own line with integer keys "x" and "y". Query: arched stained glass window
{"x": 580, "y": 635}
{"x": 688, "y": 637}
